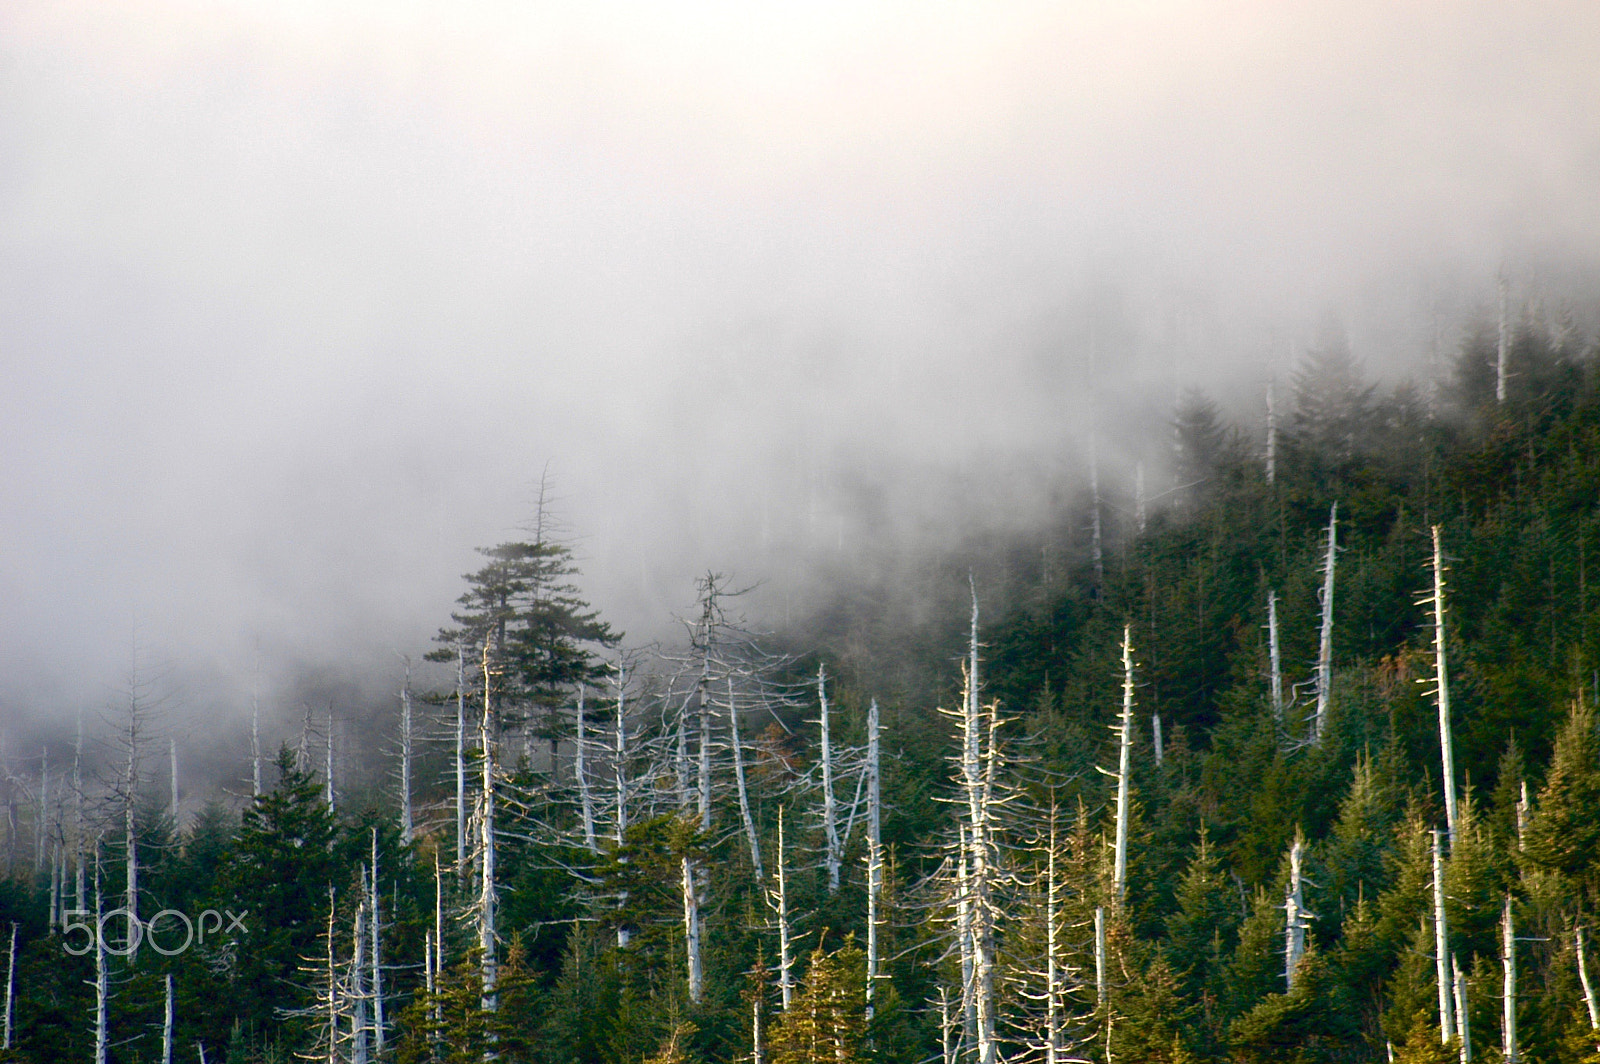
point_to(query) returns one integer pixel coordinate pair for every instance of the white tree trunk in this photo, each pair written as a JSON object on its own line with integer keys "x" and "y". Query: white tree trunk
{"x": 102, "y": 987}
{"x": 359, "y": 1030}
{"x": 1275, "y": 658}
{"x": 1119, "y": 873}
{"x": 874, "y": 853}
{"x": 830, "y": 809}
{"x": 166, "y": 1026}
{"x": 1325, "y": 641}
{"x": 1295, "y": 914}
{"x": 461, "y": 756}
{"x": 785, "y": 959}
{"x": 1053, "y": 982}
{"x": 1441, "y": 682}
{"x": 1508, "y": 951}
{"x": 751, "y": 838}
{"x": 1101, "y": 992}
{"x": 488, "y": 899}
{"x": 1441, "y": 947}
{"x": 379, "y": 1035}
{"x": 1155, "y": 738}
{"x": 580, "y": 770}
{"x": 757, "y": 1050}
{"x": 1583, "y": 977}
{"x": 691, "y": 930}
{"x": 621, "y": 767}
{"x": 130, "y": 785}
{"x": 11, "y": 987}
{"x": 331, "y": 975}
{"x": 330, "y": 792}
{"x": 41, "y": 822}
{"x": 79, "y": 835}
{"x": 438, "y": 931}
{"x": 977, "y": 779}
{"x": 406, "y": 823}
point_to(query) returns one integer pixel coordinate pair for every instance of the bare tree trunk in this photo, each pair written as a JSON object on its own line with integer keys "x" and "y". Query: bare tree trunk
{"x": 438, "y": 932}
{"x": 166, "y": 1026}
{"x": 1275, "y": 658}
{"x": 102, "y": 986}
{"x": 620, "y": 771}
{"x": 579, "y": 769}
{"x": 488, "y": 939}
{"x": 378, "y": 1034}
{"x": 874, "y": 853}
{"x": 1441, "y": 947}
{"x": 130, "y": 835}
{"x": 1119, "y": 874}
{"x": 43, "y": 819}
{"x": 1155, "y": 738}
{"x": 332, "y": 976}
{"x": 330, "y": 794}
{"x": 1441, "y": 690}
{"x": 1053, "y": 989}
{"x": 1588, "y": 988}
{"x": 78, "y": 832}
{"x": 830, "y": 810}
{"x": 1508, "y": 950}
{"x": 11, "y": 987}
{"x": 691, "y": 930}
{"x": 1325, "y": 642}
{"x": 751, "y": 838}
{"x": 406, "y": 822}
{"x": 757, "y": 1050}
{"x": 947, "y": 1028}
{"x": 977, "y": 778}
{"x": 359, "y": 1029}
{"x": 785, "y": 960}
{"x": 1295, "y": 914}
{"x": 1101, "y": 992}
{"x": 461, "y": 756}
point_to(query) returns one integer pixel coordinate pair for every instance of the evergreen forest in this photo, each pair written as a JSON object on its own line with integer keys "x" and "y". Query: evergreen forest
{"x": 1294, "y": 760}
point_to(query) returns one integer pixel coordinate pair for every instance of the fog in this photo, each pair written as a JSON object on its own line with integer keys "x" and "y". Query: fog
{"x": 300, "y": 300}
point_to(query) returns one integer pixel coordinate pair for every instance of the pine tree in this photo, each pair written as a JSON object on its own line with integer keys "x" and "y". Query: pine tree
{"x": 826, "y": 1021}
{"x": 1563, "y": 834}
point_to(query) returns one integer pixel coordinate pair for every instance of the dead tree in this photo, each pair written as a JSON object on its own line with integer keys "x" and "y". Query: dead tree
{"x": 1319, "y": 723}
{"x": 1508, "y": 996}
{"x": 1441, "y": 689}
{"x": 1441, "y": 948}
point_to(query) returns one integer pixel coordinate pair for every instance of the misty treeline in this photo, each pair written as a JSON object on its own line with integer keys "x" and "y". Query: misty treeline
{"x": 1287, "y": 754}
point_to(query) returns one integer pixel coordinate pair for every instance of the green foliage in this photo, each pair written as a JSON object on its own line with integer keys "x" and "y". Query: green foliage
{"x": 825, "y": 1022}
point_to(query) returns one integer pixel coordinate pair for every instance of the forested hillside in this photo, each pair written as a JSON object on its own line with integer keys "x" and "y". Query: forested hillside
{"x": 1290, "y": 756}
